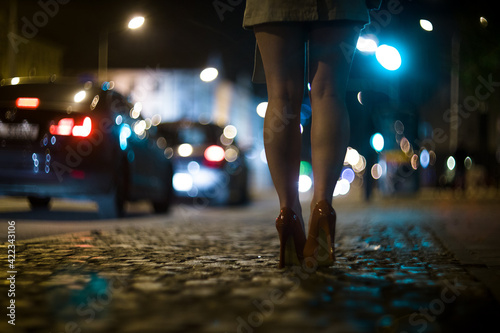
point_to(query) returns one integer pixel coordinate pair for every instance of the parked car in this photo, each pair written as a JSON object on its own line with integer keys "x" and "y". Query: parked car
{"x": 207, "y": 162}
{"x": 65, "y": 139}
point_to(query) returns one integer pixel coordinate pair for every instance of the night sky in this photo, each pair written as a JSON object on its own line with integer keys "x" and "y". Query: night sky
{"x": 183, "y": 34}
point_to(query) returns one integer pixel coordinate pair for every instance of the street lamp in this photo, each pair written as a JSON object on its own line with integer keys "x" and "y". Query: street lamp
{"x": 135, "y": 23}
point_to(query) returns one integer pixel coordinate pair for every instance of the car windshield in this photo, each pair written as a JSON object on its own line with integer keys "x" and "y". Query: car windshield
{"x": 192, "y": 135}
{"x": 195, "y": 135}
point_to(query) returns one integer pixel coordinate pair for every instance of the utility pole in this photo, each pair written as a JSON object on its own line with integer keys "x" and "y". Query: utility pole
{"x": 454, "y": 91}
{"x": 12, "y": 28}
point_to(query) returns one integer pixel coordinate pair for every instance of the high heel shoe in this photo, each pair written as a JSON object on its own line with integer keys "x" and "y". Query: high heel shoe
{"x": 292, "y": 238}
{"x": 319, "y": 248}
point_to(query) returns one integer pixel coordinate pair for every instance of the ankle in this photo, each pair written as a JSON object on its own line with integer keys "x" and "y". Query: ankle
{"x": 315, "y": 200}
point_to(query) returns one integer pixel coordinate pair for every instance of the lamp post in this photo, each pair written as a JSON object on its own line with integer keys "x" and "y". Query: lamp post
{"x": 134, "y": 23}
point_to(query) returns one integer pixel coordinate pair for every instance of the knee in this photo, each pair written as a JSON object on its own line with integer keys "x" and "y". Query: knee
{"x": 285, "y": 98}
{"x": 321, "y": 92}
{"x": 285, "y": 91}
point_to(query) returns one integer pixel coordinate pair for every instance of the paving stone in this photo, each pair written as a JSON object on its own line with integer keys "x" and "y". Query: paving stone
{"x": 224, "y": 279}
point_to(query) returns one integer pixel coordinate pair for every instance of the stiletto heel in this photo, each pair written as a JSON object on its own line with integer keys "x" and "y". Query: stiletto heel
{"x": 319, "y": 247}
{"x": 292, "y": 238}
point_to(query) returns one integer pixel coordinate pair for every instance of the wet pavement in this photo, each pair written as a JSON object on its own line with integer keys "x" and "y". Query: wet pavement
{"x": 399, "y": 269}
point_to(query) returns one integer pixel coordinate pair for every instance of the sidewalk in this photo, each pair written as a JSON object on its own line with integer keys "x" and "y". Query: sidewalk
{"x": 403, "y": 265}
{"x": 468, "y": 225}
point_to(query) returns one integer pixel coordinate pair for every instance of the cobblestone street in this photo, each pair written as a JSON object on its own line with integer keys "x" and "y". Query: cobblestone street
{"x": 214, "y": 270}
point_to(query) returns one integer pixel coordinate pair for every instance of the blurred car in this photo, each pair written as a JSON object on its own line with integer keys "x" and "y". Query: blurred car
{"x": 62, "y": 138}
{"x": 207, "y": 162}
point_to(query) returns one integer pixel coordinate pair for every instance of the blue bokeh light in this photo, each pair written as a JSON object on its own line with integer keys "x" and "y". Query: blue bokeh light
{"x": 388, "y": 57}
{"x": 377, "y": 142}
{"x": 424, "y": 158}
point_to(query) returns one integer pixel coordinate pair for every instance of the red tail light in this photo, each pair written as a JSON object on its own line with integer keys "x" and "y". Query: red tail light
{"x": 27, "y": 102}
{"x": 66, "y": 126}
{"x": 214, "y": 153}
{"x": 84, "y": 129}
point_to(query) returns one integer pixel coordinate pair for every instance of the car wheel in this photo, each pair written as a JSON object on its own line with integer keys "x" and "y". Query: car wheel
{"x": 241, "y": 190}
{"x": 163, "y": 205}
{"x": 244, "y": 197}
{"x": 37, "y": 203}
{"x": 111, "y": 206}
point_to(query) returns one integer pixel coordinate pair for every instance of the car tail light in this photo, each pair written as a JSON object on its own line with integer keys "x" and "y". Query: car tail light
{"x": 214, "y": 154}
{"x": 66, "y": 126}
{"x": 27, "y": 102}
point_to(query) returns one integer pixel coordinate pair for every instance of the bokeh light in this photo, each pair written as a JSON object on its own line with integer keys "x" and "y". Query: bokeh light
{"x": 366, "y": 44}
{"x": 185, "y": 150}
{"x": 388, "y": 57}
{"x": 348, "y": 174}
{"x": 230, "y": 131}
{"x": 377, "y": 142}
{"x": 414, "y": 161}
{"x": 352, "y": 156}
{"x": 450, "y": 163}
{"x": 231, "y": 154}
{"x": 305, "y": 183}
{"x": 261, "y": 109}
{"x": 483, "y": 21}
{"x": 426, "y": 25}
{"x": 424, "y": 158}
{"x": 405, "y": 145}
{"x": 376, "y": 171}
{"x": 214, "y": 153}
{"x": 209, "y": 74}
{"x": 342, "y": 187}
{"x": 80, "y": 96}
{"x": 361, "y": 165}
{"x": 182, "y": 182}
{"x": 360, "y": 98}
{"x": 263, "y": 157}
{"x": 305, "y": 168}
{"x": 468, "y": 163}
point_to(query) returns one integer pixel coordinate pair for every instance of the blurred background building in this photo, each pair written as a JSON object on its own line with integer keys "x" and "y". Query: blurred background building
{"x": 22, "y": 53}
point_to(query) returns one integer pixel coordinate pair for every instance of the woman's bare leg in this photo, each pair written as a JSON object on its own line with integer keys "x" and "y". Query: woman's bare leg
{"x": 329, "y": 72}
{"x": 282, "y": 49}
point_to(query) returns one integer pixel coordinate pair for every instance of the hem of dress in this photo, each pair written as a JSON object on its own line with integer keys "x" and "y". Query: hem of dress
{"x": 249, "y": 23}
